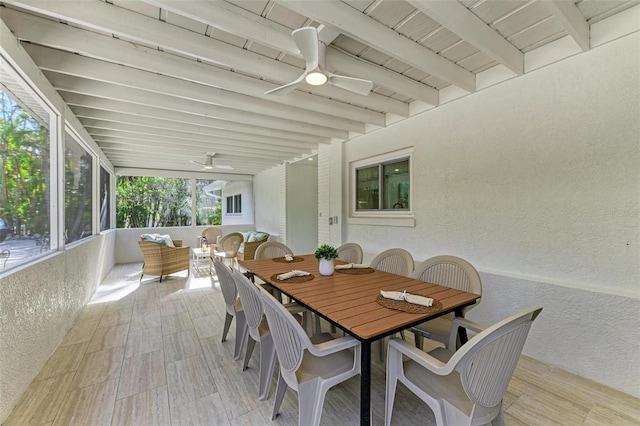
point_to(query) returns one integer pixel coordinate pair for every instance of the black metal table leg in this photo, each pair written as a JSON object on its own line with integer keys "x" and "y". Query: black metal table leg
{"x": 365, "y": 384}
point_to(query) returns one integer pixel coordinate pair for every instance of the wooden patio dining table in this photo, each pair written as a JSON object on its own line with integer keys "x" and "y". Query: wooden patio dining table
{"x": 348, "y": 300}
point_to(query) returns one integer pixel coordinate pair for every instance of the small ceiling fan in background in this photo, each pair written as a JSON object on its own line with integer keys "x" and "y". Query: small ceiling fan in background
{"x": 208, "y": 163}
{"x": 314, "y": 52}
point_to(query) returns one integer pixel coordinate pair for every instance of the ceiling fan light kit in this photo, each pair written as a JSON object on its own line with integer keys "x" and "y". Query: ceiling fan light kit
{"x": 315, "y": 74}
{"x": 316, "y": 78}
{"x": 208, "y": 163}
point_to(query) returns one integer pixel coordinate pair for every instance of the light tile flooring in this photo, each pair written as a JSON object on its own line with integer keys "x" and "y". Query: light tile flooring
{"x": 151, "y": 354}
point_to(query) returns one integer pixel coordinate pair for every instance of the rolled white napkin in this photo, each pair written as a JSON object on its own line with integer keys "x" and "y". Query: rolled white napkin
{"x": 395, "y": 295}
{"x": 291, "y": 274}
{"x": 419, "y": 300}
{"x": 411, "y": 298}
{"x": 288, "y": 257}
{"x": 352, "y": 266}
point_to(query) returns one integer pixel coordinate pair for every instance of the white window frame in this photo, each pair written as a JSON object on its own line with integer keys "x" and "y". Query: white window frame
{"x": 234, "y": 205}
{"x": 381, "y": 217}
{"x": 95, "y": 164}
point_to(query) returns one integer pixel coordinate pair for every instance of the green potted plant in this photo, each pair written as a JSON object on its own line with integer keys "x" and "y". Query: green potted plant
{"x": 325, "y": 254}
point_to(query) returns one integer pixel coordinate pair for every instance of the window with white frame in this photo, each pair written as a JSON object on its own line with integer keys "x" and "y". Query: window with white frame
{"x": 234, "y": 204}
{"x": 209, "y": 201}
{"x": 78, "y": 190}
{"x": 25, "y": 179}
{"x": 105, "y": 199}
{"x": 381, "y": 185}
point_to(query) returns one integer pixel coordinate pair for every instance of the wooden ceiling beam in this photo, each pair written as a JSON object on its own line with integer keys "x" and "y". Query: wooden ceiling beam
{"x": 455, "y": 17}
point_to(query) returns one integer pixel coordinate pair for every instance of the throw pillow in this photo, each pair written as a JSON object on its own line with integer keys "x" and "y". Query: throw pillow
{"x": 252, "y": 237}
{"x": 261, "y": 236}
{"x": 157, "y": 238}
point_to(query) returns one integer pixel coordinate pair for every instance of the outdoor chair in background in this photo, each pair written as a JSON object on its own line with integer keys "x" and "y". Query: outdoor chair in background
{"x": 350, "y": 253}
{"x": 162, "y": 259}
{"x": 395, "y": 261}
{"x": 227, "y": 248}
{"x": 271, "y": 249}
{"x": 212, "y": 234}
{"x": 448, "y": 271}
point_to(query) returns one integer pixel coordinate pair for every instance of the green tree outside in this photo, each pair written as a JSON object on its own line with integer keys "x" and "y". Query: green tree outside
{"x": 24, "y": 160}
{"x": 149, "y": 202}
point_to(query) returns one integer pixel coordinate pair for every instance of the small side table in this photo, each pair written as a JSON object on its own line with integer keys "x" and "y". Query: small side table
{"x": 198, "y": 255}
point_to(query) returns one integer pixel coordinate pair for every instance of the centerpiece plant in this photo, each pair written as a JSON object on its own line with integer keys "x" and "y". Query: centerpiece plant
{"x": 325, "y": 254}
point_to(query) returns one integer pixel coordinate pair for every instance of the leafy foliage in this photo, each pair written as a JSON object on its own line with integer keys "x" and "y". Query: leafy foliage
{"x": 327, "y": 252}
{"x": 151, "y": 202}
{"x": 24, "y": 157}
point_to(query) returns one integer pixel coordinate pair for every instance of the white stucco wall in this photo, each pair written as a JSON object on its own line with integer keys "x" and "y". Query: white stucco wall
{"x": 245, "y": 189}
{"x": 302, "y": 206}
{"x": 38, "y": 306}
{"x": 536, "y": 178}
{"x": 269, "y": 191}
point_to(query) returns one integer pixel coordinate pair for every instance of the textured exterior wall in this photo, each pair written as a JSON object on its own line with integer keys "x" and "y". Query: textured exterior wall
{"x": 245, "y": 188}
{"x": 38, "y": 306}
{"x": 269, "y": 193}
{"x": 588, "y": 333}
{"x": 537, "y": 177}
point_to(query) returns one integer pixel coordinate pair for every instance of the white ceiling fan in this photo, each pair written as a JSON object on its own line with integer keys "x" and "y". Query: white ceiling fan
{"x": 208, "y": 162}
{"x": 313, "y": 51}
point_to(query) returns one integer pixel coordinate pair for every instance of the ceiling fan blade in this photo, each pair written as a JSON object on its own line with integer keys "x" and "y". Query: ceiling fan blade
{"x": 223, "y": 167}
{"x": 306, "y": 40}
{"x": 356, "y": 85}
{"x": 283, "y": 90}
{"x": 196, "y": 162}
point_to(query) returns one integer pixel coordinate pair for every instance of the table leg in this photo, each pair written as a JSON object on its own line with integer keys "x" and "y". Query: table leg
{"x": 365, "y": 384}
{"x": 462, "y": 332}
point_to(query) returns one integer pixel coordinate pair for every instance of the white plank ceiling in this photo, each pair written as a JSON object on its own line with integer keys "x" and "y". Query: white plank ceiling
{"x": 158, "y": 83}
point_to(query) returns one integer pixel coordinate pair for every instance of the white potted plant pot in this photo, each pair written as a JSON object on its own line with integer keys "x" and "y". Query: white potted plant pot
{"x": 325, "y": 255}
{"x": 326, "y": 267}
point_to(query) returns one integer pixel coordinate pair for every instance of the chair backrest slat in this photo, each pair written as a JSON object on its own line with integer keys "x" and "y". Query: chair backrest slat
{"x": 288, "y": 335}
{"x": 449, "y": 271}
{"x": 489, "y": 361}
{"x": 271, "y": 249}
{"x": 350, "y": 252}
{"x": 227, "y": 284}
{"x": 396, "y": 261}
{"x": 250, "y": 298}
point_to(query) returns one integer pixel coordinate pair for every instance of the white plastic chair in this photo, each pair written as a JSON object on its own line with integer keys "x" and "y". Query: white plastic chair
{"x": 271, "y": 249}
{"x": 309, "y": 367}
{"x": 259, "y": 331}
{"x": 465, "y": 387}
{"x": 350, "y": 252}
{"x": 448, "y": 271}
{"x": 227, "y": 248}
{"x": 234, "y": 306}
{"x": 396, "y": 261}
